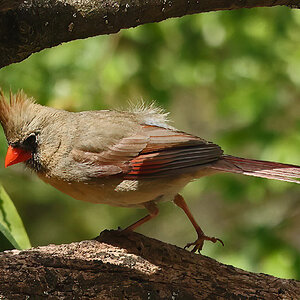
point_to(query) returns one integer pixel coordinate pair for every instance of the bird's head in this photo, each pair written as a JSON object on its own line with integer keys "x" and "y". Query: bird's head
{"x": 24, "y": 123}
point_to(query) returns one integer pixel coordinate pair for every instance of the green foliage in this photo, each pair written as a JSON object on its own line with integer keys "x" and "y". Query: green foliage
{"x": 230, "y": 77}
{"x": 11, "y": 225}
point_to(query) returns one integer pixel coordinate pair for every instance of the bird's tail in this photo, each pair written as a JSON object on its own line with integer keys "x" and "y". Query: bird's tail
{"x": 258, "y": 168}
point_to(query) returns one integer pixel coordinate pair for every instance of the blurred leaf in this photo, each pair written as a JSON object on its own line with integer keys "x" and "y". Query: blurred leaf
{"x": 11, "y": 224}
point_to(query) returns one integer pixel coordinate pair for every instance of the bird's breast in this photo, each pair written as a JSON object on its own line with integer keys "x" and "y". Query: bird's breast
{"x": 119, "y": 192}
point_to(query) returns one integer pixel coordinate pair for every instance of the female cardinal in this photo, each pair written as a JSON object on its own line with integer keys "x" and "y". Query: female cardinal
{"x": 121, "y": 158}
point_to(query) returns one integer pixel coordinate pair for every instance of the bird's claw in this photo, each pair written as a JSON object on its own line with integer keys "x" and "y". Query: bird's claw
{"x": 198, "y": 244}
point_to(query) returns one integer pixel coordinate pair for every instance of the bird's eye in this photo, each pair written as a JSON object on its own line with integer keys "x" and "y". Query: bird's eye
{"x": 30, "y": 141}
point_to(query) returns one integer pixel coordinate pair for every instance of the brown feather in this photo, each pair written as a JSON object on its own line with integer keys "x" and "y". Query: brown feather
{"x": 4, "y": 109}
{"x": 258, "y": 168}
{"x": 15, "y": 107}
{"x": 156, "y": 151}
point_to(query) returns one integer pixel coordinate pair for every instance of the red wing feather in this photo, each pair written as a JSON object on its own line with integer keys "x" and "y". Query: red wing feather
{"x": 173, "y": 161}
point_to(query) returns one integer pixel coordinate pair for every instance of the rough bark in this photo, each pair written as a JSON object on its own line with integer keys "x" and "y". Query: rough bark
{"x": 38, "y": 24}
{"x": 6, "y": 5}
{"x": 118, "y": 266}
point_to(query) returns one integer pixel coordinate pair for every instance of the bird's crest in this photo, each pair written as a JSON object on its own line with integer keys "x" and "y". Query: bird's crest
{"x": 16, "y": 104}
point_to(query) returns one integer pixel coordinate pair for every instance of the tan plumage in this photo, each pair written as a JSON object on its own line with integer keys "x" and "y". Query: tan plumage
{"x": 121, "y": 158}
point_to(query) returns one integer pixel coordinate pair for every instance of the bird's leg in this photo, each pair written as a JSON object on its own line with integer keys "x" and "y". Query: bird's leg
{"x": 198, "y": 244}
{"x": 153, "y": 212}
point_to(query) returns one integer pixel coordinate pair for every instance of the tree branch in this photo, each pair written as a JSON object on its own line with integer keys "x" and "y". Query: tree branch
{"x": 40, "y": 24}
{"x": 115, "y": 266}
{"x": 6, "y": 5}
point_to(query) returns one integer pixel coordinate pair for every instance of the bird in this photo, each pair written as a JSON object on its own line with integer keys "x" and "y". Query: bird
{"x": 130, "y": 158}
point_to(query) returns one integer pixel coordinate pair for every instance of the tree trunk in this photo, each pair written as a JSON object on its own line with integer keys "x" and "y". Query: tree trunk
{"x": 131, "y": 266}
{"x": 39, "y": 24}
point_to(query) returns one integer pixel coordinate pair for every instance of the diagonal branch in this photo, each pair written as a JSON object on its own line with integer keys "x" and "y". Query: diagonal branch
{"x": 39, "y": 24}
{"x": 115, "y": 266}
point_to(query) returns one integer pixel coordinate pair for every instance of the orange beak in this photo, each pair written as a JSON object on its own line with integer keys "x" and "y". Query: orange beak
{"x": 16, "y": 155}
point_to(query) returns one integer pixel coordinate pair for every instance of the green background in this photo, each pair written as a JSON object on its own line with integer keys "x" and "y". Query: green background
{"x": 230, "y": 77}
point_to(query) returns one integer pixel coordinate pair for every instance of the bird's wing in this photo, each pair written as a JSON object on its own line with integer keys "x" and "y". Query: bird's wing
{"x": 154, "y": 152}
{"x": 169, "y": 152}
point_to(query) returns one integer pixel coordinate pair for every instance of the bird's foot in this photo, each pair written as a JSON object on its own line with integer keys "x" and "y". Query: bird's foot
{"x": 198, "y": 244}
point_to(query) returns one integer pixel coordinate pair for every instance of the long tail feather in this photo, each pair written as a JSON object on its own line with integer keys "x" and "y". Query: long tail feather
{"x": 258, "y": 168}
